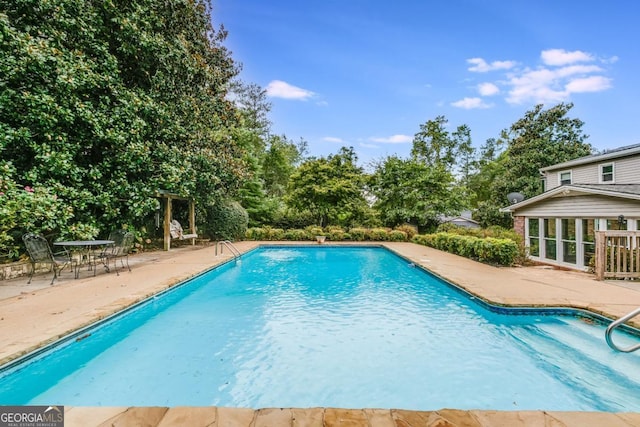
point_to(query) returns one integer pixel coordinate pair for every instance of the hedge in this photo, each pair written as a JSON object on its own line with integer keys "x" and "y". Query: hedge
{"x": 489, "y": 250}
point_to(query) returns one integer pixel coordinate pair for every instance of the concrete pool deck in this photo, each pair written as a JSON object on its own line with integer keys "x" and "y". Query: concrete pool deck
{"x": 37, "y": 314}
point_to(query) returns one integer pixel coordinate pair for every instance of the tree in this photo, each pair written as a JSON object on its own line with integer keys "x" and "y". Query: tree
{"x": 465, "y": 153}
{"x": 332, "y": 188}
{"x": 432, "y": 144}
{"x": 103, "y": 103}
{"x": 488, "y": 168}
{"x": 541, "y": 138}
{"x": 251, "y": 100}
{"x": 414, "y": 192}
{"x": 280, "y": 161}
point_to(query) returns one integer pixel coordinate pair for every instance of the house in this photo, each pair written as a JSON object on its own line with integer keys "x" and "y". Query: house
{"x": 597, "y": 192}
{"x": 462, "y": 220}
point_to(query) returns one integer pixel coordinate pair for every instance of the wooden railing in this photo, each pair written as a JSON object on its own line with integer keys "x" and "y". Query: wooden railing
{"x": 617, "y": 255}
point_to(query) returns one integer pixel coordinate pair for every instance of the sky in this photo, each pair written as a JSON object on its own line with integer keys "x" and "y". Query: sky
{"x": 368, "y": 73}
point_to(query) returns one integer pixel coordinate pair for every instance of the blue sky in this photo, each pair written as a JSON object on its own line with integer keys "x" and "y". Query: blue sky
{"x": 367, "y": 73}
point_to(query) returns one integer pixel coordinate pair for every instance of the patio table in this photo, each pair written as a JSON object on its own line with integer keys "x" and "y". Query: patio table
{"x": 84, "y": 247}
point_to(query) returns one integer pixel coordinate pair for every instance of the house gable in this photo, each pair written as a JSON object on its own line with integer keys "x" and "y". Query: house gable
{"x": 613, "y": 167}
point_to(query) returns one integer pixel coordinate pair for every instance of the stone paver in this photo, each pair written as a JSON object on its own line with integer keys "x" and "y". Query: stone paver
{"x": 38, "y": 314}
{"x": 180, "y": 416}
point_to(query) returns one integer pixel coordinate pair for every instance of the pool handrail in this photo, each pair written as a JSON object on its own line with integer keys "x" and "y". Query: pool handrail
{"x": 617, "y": 323}
{"x": 227, "y": 243}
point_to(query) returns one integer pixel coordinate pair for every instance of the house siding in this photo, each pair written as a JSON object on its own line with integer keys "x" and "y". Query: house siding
{"x": 590, "y": 206}
{"x": 625, "y": 171}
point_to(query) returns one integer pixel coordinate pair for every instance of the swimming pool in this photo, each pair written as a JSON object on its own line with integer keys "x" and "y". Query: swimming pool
{"x": 327, "y": 326}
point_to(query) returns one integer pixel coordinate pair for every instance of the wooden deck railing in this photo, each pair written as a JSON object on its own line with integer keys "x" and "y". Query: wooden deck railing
{"x": 617, "y": 255}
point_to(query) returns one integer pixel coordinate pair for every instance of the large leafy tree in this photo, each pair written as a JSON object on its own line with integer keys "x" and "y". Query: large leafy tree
{"x": 540, "y": 138}
{"x": 411, "y": 191}
{"x": 433, "y": 145}
{"x": 331, "y": 188}
{"x": 102, "y": 103}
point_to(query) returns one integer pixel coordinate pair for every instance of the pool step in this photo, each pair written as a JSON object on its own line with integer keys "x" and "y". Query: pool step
{"x": 584, "y": 358}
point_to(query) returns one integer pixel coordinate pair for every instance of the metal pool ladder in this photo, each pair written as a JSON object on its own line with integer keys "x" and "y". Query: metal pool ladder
{"x": 617, "y": 323}
{"x": 227, "y": 244}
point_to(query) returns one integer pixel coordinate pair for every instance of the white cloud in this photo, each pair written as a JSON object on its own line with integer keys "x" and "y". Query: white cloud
{"x": 365, "y": 145}
{"x": 479, "y": 65}
{"x": 555, "y": 84}
{"x": 393, "y": 139}
{"x": 280, "y": 89}
{"x": 333, "y": 139}
{"x": 559, "y": 74}
{"x": 588, "y": 84}
{"x": 470, "y": 103}
{"x": 488, "y": 89}
{"x": 577, "y": 69}
{"x": 562, "y": 57}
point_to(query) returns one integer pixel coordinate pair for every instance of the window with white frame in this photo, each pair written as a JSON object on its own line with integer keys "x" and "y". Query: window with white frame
{"x": 606, "y": 173}
{"x": 565, "y": 177}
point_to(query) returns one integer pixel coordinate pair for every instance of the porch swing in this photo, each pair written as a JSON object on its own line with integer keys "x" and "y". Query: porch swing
{"x": 172, "y": 229}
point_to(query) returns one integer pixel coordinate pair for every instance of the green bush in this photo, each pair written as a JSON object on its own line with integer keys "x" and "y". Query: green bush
{"x": 397, "y": 236}
{"x": 335, "y": 233}
{"x": 408, "y": 229}
{"x": 359, "y": 234}
{"x": 253, "y": 233}
{"x": 314, "y": 231}
{"x": 488, "y": 250}
{"x": 379, "y": 234}
{"x": 226, "y": 221}
{"x": 296, "y": 234}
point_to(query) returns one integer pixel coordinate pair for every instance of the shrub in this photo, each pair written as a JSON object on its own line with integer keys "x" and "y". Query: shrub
{"x": 270, "y": 233}
{"x": 379, "y": 234}
{"x": 408, "y": 229}
{"x": 335, "y": 233}
{"x": 296, "y": 234}
{"x": 254, "y": 233}
{"x": 397, "y": 236}
{"x": 359, "y": 234}
{"x": 226, "y": 220}
{"x": 314, "y": 231}
{"x": 488, "y": 250}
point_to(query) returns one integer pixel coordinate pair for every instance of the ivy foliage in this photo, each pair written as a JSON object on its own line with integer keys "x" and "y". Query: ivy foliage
{"x": 102, "y": 103}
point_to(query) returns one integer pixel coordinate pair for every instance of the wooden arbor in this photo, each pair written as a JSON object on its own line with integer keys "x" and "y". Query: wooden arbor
{"x": 168, "y": 197}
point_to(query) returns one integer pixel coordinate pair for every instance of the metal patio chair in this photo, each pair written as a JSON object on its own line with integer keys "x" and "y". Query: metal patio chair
{"x": 40, "y": 253}
{"x": 120, "y": 248}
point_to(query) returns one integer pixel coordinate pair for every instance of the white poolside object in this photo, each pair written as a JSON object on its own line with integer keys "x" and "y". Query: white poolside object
{"x": 175, "y": 229}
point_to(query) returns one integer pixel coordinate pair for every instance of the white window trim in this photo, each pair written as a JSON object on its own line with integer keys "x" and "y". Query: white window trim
{"x": 570, "y": 172}
{"x": 613, "y": 173}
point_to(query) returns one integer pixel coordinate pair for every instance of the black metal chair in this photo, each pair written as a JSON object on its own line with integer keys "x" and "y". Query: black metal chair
{"x": 40, "y": 253}
{"x": 120, "y": 248}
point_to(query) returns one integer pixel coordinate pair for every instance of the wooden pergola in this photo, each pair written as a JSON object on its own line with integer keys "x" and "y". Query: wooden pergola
{"x": 168, "y": 197}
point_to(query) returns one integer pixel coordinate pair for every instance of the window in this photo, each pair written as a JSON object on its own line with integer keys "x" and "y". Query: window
{"x": 550, "y": 238}
{"x": 606, "y": 173}
{"x": 565, "y": 177}
{"x": 569, "y": 240}
{"x": 588, "y": 239}
{"x": 534, "y": 237}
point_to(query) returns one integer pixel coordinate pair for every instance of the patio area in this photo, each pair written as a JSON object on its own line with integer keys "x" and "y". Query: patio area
{"x": 54, "y": 311}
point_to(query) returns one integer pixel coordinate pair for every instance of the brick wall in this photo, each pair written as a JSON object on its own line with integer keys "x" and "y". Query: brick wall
{"x": 518, "y": 225}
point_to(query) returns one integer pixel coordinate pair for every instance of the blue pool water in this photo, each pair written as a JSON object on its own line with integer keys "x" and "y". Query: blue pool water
{"x": 326, "y": 326}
